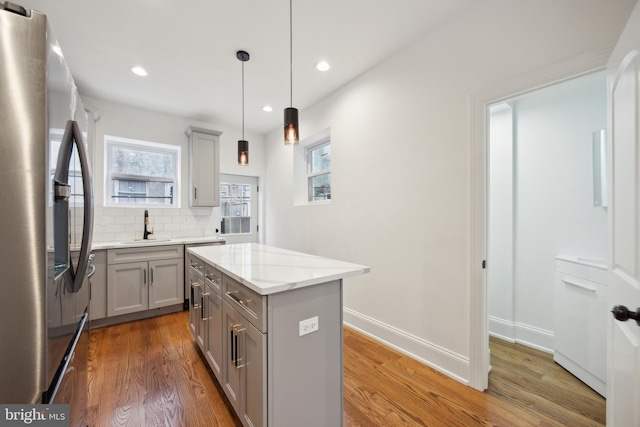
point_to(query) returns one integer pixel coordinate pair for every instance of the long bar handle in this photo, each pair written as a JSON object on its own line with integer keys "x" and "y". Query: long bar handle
{"x": 203, "y": 318}
{"x": 238, "y": 359}
{"x": 231, "y": 346}
{"x": 73, "y": 135}
{"x": 235, "y": 298}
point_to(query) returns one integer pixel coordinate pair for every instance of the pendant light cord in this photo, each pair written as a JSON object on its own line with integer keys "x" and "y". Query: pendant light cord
{"x": 243, "y": 100}
{"x": 291, "y": 50}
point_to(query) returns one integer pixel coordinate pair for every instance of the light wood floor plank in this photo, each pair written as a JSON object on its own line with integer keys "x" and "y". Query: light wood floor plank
{"x": 151, "y": 373}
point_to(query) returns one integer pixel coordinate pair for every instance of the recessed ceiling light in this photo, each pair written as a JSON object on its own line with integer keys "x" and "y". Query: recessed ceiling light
{"x": 322, "y": 66}
{"x": 267, "y": 108}
{"x": 139, "y": 71}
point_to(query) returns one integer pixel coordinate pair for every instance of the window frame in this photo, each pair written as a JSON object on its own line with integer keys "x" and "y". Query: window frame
{"x": 111, "y": 141}
{"x": 310, "y": 174}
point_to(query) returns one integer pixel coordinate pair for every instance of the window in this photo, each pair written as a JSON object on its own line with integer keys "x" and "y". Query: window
{"x": 312, "y": 169}
{"x": 319, "y": 172}
{"x": 141, "y": 173}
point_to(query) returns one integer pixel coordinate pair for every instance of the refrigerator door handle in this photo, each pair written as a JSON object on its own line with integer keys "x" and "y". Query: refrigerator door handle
{"x": 73, "y": 135}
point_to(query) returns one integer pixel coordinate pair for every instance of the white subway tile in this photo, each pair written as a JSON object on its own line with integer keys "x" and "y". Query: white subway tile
{"x": 125, "y": 220}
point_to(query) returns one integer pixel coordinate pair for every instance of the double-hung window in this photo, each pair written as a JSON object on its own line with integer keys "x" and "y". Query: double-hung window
{"x": 319, "y": 172}
{"x": 141, "y": 173}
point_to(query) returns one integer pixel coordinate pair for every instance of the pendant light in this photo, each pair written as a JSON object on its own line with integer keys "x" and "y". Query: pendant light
{"x": 243, "y": 145}
{"x": 291, "y": 135}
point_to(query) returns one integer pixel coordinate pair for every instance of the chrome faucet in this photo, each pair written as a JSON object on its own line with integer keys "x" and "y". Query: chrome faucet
{"x": 145, "y": 236}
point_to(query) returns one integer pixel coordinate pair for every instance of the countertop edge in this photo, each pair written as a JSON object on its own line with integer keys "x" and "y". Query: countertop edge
{"x": 178, "y": 241}
{"x": 348, "y": 270}
{"x": 290, "y": 286}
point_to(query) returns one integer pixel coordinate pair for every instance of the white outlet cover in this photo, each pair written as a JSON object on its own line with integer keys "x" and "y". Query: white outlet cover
{"x": 308, "y": 325}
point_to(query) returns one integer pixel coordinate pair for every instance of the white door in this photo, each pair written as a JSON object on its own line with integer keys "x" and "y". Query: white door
{"x": 239, "y": 208}
{"x": 623, "y": 385}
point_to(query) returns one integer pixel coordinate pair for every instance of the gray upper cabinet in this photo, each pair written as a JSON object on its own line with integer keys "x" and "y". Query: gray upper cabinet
{"x": 204, "y": 166}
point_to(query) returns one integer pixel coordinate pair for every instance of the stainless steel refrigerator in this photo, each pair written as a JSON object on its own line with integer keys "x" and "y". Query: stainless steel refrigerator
{"x": 46, "y": 219}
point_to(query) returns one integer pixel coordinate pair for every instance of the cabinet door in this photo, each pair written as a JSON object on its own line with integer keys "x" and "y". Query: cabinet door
{"x": 253, "y": 376}
{"x": 213, "y": 322}
{"x": 195, "y": 286}
{"x": 230, "y": 372}
{"x": 127, "y": 288}
{"x": 165, "y": 282}
{"x": 205, "y": 181}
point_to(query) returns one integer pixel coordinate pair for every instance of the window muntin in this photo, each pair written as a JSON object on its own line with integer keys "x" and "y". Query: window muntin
{"x": 141, "y": 173}
{"x": 319, "y": 172}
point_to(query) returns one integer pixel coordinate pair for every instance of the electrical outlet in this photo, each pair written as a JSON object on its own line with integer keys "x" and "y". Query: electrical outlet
{"x": 308, "y": 325}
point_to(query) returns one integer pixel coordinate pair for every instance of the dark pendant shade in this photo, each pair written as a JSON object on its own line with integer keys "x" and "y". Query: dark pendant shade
{"x": 243, "y": 145}
{"x": 243, "y": 152}
{"x": 290, "y": 125}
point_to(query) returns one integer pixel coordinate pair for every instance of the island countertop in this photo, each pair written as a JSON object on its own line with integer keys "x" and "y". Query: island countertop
{"x": 268, "y": 270}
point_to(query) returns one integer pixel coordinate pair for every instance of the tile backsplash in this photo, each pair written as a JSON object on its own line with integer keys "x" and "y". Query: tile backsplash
{"x": 123, "y": 224}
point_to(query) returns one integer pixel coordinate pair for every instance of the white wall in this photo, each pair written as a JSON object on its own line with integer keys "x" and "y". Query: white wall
{"x": 500, "y": 239}
{"x": 400, "y": 167}
{"x": 551, "y": 204}
{"x": 116, "y": 224}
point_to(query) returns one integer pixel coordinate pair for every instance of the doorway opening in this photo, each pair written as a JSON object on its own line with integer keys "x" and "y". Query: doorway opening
{"x": 540, "y": 208}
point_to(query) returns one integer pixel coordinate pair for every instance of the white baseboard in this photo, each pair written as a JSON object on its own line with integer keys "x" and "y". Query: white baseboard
{"x": 434, "y": 356}
{"x": 521, "y": 333}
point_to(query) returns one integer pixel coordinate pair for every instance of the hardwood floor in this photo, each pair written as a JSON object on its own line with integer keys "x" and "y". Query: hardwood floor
{"x": 150, "y": 373}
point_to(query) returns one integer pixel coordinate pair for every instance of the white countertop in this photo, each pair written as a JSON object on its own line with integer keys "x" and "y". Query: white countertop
{"x": 268, "y": 270}
{"x": 155, "y": 242}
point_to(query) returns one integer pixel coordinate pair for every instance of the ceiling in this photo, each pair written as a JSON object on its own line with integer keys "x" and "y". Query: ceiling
{"x": 189, "y": 50}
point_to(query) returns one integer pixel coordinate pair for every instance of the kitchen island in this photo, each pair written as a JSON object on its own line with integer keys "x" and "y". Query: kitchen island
{"x": 269, "y": 324}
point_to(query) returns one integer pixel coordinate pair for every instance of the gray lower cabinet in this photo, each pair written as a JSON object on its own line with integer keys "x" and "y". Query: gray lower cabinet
{"x": 197, "y": 264}
{"x": 154, "y": 280}
{"x": 271, "y": 373}
{"x": 244, "y": 373}
{"x": 205, "y": 315}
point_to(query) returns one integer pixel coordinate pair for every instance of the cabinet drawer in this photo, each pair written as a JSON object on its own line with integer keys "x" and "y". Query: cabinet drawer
{"x": 151, "y": 253}
{"x": 250, "y": 304}
{"x": 196, "y": 265}
{"x": 213, "y": 277}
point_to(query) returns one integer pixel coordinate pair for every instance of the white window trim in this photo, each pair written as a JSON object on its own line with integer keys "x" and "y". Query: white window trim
{"x": 301, "y": 167}
{"x": 117, "y": 141}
